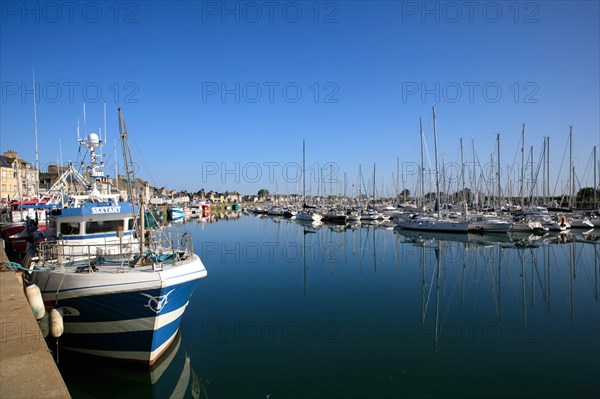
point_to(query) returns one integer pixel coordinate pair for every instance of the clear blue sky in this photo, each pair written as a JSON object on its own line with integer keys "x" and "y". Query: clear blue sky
{"x": 212, "y": 86}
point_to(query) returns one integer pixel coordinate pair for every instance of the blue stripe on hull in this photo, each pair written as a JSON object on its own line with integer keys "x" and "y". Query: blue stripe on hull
{"x": 124, "y": 308}
{"x": 139, "y": 341}
{"x": 128, "y": 305}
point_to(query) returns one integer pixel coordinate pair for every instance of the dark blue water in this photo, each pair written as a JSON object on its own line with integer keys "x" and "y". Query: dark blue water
{"x": 289, "y": 311}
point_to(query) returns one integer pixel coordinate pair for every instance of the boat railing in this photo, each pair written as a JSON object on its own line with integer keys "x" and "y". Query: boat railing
{"x": 63, "y": 253}
{"x": 178, "y": 244}
{"x": 169, "y": 248}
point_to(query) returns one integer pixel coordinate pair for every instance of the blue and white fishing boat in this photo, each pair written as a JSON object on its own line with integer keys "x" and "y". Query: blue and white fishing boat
{"x": 120, "y": 296}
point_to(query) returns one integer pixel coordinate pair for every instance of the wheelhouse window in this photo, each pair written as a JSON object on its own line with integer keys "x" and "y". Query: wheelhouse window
{"x": 103, "y": 226}
{"x": 69, "y": 229}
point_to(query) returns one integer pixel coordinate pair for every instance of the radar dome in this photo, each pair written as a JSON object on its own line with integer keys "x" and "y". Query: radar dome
{"x": 93, "y": 140}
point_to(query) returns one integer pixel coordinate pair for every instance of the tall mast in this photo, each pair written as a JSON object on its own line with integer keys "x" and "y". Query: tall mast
{"x": 104, "y": 141}
{"x": 398, "y": 180}
{"x": 548, "y": 167}
{"x": 422, "y": 168}
{"x": 476, "y": 197}
{"x": 35, "y": 129}
{"x": 544, "y": 172}
{"x": 116, "y": 168}
{"x": 595, "y": 181}
{"x": 462, "y": 175}
{"x": 437, "y": 177}
{"x": 571, "y": 170}
{"x": 373, "y": 185}
{"x": 531, "y": 174}
{"x": 359, "y": 183}
{"x": 498, "y": 172}
{"x": 522, "y": 189}
{"x": 304, "y": 173}
{"x": 127, "y": 162}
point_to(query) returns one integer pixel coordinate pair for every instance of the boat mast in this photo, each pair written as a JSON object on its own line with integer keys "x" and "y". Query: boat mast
{"x": 422, "y": 168}
{"x": 437, "y": 179}
{"x": 531, "y": 173}
{"x": 595, "y": 181}
{"x": 398, "y": 180}
{"x": 544, "y": 197}
{"x": 359, "y": 184}
{"x": 571, "y": 169}
{"x": 373, "y": 200}
{"x": 35, "y": 129}
{"x": 303, "y": 174}
{"x": 462, "y": 176}
{"x": 548, "y": 167}
{"x": 498, "y": 174}
{"x": 476, "y": 193}
{"x": 522, "y": 193}
{"x": 128, "y": 165}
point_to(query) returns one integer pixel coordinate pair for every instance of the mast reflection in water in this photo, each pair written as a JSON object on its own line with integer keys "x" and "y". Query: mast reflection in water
{"x": 351, "y": 311}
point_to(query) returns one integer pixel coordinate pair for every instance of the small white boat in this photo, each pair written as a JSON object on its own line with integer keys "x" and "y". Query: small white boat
{"x": 488, "y": 224}
{"x": 528, "y": 226}
{"x": 431, "y": 223}
{"x": 577, "y": 222}
{"x": 308, "y": 215}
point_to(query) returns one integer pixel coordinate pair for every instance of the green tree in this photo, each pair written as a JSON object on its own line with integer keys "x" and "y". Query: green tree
{"x": 263, "y": 192}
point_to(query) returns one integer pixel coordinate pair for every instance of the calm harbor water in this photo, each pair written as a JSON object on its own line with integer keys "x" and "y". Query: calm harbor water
{"x": 367, "y": 311}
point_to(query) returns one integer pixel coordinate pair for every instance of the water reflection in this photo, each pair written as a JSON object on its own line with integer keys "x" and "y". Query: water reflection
{"x": 518, "y": 271}
{"x": 293, "y": 309}
{"x": 171, "y": 377}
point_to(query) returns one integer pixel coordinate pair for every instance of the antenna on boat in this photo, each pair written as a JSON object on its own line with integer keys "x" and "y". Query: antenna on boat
{"x": 78, "y": 138}
{"x": 104, "y": 142}
{"x": 37, "y": 163}
{"x": 84, "y": 126}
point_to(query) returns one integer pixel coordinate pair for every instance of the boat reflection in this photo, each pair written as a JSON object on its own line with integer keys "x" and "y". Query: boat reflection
{"x": 459, "y": 271}
{"x": 171, "y": 377}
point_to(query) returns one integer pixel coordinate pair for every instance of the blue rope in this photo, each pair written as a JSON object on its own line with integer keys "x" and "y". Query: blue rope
{"x": 17, "y": 266}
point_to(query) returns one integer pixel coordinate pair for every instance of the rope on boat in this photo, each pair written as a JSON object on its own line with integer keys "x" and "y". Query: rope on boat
{"x": 17, "y": 266}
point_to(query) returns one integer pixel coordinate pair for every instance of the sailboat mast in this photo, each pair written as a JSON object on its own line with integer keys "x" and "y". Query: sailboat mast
{"x": 571, "y": 170}
{"x": 422, "y": 168}
{"x": 373, "y": 201}
{"x": 304, "y": 173}
{"x": 531, "y": 174}
{"x": 398, "y": 179}
{"x": 544, "y": 173}
{"x": 476, "y": 196}
{"x": 462, "y": 175}
{"x": 498, "y": 172}
{"x": 437, "y": 177}
{"x": 522, "y": 193}
{"x": 548, "y": 167}
{"x": 595, "y": 181}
